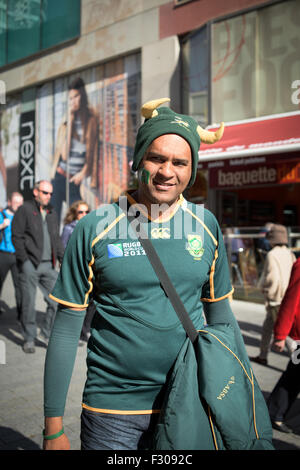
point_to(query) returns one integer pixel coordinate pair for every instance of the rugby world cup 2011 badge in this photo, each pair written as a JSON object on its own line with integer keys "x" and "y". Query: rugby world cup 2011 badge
{"x": 115, "y": 250}
{"x": 194, "y": 246}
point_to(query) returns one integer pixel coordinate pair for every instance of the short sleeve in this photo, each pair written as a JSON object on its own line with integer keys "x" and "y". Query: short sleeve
{"x": 219, "y": 285}
{"x": 75, "y": 280}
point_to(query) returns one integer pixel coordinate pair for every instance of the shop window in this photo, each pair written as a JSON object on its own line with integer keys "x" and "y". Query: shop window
{"x": 29, "y": 26}
{"x": 255, "y": 60}
{"x": 195, "y": 76}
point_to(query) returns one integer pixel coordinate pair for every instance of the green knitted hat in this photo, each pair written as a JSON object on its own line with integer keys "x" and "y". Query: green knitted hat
{"x": 165, "y": 121}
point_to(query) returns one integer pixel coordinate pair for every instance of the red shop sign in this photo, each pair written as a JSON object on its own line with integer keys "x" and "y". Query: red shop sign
{"x": 266, "y": 174}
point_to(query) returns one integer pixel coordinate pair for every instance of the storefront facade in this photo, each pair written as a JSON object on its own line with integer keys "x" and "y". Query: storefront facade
{"x": 243, "y": 68}
{"x": 31, "y": 126}
{"x": 252, "y": 70}
{"x": 236, "y": 62}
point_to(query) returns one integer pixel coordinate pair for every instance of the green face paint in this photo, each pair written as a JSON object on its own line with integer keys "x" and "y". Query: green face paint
{"x": 144, "y": 176}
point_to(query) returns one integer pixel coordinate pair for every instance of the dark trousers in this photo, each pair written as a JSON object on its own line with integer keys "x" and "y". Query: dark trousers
{"x": 59, "y": 193}
{"x": 8, "y": 263}
{"x": 43, "y": 276}
{"x": 286, "y": 390}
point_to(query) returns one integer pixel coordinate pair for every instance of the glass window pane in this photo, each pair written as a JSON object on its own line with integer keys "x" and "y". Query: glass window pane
{"x": 2, "y": 32}
{"x": 195, "y": 76}
{"x": 255, "y": 60}
{"x": 61, "y": 21}
{"x": 279, "y": 57}
{"x": 233, "y": 68}
{"x": 23, "y": 28}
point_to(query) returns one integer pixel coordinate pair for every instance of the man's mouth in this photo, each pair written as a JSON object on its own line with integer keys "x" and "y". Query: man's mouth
{"x": 162, "y": 185}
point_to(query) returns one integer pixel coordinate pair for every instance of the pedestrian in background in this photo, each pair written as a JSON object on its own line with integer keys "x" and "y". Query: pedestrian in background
{"x": 276, "y": 275}
{"x": 7, "y": 250}
{"x": 76, "y": 212}
{"x": 287, "y": 388}
{"x": 35, "y": 236}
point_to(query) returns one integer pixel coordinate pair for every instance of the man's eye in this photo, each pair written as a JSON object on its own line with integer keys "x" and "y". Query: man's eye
{"x": 155, "y": 159}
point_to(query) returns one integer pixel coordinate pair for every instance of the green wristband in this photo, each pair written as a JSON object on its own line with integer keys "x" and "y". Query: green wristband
{"x": 53, "y": 436}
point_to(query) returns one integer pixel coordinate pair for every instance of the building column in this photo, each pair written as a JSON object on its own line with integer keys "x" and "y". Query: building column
{"x": 161, "y": 71}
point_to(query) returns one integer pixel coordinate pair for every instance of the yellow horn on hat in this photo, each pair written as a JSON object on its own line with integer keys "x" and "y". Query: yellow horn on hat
{"x": 209, "y": 137}
{"x": 149, "y": 109}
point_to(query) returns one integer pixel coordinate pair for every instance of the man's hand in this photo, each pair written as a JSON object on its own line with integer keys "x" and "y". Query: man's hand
{"x": 278, "y": 345}
{"x": 5, "y": 223}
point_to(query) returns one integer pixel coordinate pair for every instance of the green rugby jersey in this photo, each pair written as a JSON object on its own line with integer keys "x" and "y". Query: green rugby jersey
{"x": 136, "y": 334}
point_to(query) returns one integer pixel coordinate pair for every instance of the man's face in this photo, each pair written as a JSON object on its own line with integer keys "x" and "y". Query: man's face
{"x": 44, "y": 193}
{"x": 16, "y": 202}
{"x": 168, "y": 161}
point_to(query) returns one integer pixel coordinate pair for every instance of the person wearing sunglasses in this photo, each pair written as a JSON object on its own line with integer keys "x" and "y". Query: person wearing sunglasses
{"x": 35, "y": 236}
{"x": 76, "y": 211}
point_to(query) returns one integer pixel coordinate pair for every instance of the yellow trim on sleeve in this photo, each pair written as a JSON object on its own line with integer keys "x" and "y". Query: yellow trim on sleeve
{"x": 219, "y": 298}
{"x": 104, "y": 232}
{"x": 91, "y": 274}
{"x": 120, "y": 412}
{"x": 65, "y": 302}
{"x": 211, "y": 275}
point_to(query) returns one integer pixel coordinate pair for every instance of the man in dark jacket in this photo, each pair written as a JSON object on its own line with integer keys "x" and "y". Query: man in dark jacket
{"x": 35, "y": 235}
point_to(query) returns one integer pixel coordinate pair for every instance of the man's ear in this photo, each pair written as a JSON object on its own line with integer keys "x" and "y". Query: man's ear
{"x": 35, "y": 192}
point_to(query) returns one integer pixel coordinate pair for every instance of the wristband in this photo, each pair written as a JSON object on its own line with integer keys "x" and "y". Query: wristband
{"x": 53, "y": 436}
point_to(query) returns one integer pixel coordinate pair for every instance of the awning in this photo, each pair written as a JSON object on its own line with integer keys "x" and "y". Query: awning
{"x": 261, "y": 136}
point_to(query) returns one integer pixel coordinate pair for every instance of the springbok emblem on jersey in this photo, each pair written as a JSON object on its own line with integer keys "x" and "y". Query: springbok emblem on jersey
{"x": 195, "y": 246}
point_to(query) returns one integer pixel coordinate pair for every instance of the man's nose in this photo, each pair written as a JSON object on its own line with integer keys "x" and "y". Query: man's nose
{"x": 166, "y": 170}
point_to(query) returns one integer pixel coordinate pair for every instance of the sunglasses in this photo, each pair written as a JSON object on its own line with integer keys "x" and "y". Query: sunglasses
{"x": 83, "y": 212}
{"x": 45, "y": 192}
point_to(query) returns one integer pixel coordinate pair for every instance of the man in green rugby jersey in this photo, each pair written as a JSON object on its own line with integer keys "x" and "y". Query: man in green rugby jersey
{"x": 136, "y": 334}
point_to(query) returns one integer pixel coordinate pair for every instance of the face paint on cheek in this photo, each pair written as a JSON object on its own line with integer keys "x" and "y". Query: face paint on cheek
{"x": 144, "y": 176}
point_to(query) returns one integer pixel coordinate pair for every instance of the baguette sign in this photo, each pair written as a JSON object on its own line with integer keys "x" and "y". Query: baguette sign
{"x": 267, "y": 174}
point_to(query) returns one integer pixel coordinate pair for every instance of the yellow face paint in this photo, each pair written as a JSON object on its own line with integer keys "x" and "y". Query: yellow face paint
{"x": 144, "y": 176}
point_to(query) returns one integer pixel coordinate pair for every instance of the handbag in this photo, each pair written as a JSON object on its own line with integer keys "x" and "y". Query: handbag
{"x": 212, "y": 400}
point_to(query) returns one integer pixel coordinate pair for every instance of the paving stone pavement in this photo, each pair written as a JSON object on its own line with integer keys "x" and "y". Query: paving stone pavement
{"x": 21, "y": 379}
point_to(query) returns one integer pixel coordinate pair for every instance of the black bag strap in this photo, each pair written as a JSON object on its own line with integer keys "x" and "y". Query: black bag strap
{"x": 166, "y": 283}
